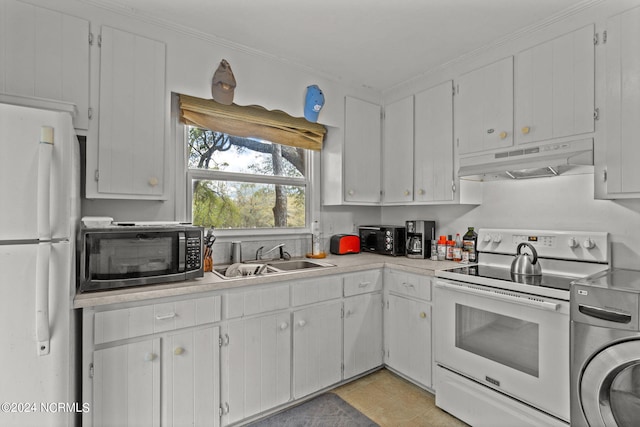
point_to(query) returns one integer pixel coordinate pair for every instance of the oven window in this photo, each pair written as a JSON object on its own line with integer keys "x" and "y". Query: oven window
{"x": 506, "y": 340}
{"x": 136, "y": 255}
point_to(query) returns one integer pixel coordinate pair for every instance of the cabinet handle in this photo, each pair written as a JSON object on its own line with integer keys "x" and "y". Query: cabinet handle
{"x": 503, "y": 135}
{"x": 407, "y": 192}
{"x": 283, "y": 326}
{"x": 408, "y": 285}
{"x": 351, "y": 192}
{"x": 302, "y": 322}
{"x": 490, "y": 130}
{"x": 178, "y": 351}
{"x": 149, "y": 357}
{"x": 153, "y": 181}
{"x": 421, "y": 192}
{"x": 526, "y": 130}
{"x": 226, "y": 408}
{"x": 165, "y": 316}
{"x": 423, "y": 315}
{"x": 363, "y": 284}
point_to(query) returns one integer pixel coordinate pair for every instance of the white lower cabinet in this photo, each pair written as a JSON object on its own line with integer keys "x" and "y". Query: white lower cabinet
{"x": 256, "y": 365}
{"x": 152, "y": 364}
{"x": 127, "y": 381}
{"x": 126, "y": 385}
{"x": 317, "y": 347}
{"x": 407, "y": 326}
{"x": 362, "y": 333}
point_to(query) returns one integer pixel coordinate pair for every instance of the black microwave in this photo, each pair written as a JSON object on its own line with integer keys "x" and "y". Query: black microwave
{"x": 128, "y": 255}
{"x": 382, "y": 239}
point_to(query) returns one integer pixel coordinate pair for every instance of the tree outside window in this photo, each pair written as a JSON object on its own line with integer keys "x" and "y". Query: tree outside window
{"x": 246, "y": 183}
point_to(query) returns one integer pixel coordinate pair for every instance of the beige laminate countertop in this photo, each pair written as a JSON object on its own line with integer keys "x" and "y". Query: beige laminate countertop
{"x": 211, "y": 282}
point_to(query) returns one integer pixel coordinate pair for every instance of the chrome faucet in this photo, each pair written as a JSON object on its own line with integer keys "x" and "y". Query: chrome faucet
{"x": 283, "y": 254}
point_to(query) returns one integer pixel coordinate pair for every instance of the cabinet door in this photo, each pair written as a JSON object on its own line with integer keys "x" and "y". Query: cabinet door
{"x": 623, "y": 103}
{"x": 131, "y": 149}
{"x": 192, "y": 378}
{"x": 554, "y": 95}
{"x": 433, "y": 160}
{"x": 257, "y": 362}
{"x": 362, "y": 146}
{"x": 397, "y": 148}
{"x": 45, "y": 54}
{"x": 362, "y": 333}
{"x": 126, "y": 385}
{"x": 484, "y": 108}
{"x": 317, "y": 348}
{"x": 408, "y": 338}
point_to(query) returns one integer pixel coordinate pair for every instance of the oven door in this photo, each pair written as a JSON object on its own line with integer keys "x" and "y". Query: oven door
{"x": 515, "y": 343}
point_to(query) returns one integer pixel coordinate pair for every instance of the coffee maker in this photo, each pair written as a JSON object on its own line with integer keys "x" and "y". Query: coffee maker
{"x": 419, "y": 234}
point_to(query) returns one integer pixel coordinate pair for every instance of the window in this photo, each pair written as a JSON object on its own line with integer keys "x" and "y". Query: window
{"x": 248, "y": 168}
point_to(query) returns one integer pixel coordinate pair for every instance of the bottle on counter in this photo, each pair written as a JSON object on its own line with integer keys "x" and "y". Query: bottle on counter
{"x": 469, "y": 246}
{"x": 457, "y": 248}
{"x": 434, "y": 250}
{"x": 442, "y": 248}
{"x": 315, "y": 238}
{"x": 450, "y": 244}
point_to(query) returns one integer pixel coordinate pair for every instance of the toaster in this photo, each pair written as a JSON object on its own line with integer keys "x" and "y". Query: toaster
{"x": 344, "y": 244}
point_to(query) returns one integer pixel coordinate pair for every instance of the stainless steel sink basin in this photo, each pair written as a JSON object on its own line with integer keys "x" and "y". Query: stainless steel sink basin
{"x": 255, "y": 269}
{"x": 298, "y": 264}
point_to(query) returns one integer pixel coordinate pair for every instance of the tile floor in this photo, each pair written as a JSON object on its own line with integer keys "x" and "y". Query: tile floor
{"x": 392, "y": 401}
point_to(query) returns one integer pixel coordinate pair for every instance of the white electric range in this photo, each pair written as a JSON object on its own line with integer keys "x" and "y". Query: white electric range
{"x": 502, "y": 340}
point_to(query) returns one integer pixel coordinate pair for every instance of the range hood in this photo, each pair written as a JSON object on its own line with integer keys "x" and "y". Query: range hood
{"x": 529, "y": 161}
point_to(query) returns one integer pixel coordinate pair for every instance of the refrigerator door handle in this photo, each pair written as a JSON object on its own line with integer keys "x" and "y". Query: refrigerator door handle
{"x": 42, "y": 298}
{"x": 45, "y": 153}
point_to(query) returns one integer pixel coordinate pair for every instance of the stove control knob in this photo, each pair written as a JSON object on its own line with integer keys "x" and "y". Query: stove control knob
{"x": 573, "y": 242}
{"x": 497, "y": 238}
{"x": 588, "y": 243}
{"x": 487, "y": 238}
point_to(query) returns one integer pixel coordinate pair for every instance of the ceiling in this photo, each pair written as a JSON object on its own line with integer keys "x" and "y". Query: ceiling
{"x": 373, "y": 43}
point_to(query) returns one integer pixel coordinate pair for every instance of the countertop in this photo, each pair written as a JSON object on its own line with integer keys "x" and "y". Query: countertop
{"x": 211, "y": 282}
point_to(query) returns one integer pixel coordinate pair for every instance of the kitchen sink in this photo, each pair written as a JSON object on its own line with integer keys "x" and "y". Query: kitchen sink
{"x": 255, "y": 268}
{"x": 298, "y": 264}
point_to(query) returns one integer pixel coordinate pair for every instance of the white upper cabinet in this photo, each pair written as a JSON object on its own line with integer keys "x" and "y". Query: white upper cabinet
{"x": 398, "y": 152}
{"x": 362, "y": 146}
{"x": 622, "y": 113}
{"x": 131, "y": 146}
{"x": 484, "y": 108}
{"x": 45, "y": 54}
{"x": 554, "y": 88}
{"x": 433, "y": 151}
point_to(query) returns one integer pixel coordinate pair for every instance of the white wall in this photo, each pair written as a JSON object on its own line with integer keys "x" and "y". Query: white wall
{"x": 557, "y": 203}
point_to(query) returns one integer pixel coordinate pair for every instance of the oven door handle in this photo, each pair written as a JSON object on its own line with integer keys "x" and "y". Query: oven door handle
{"x": 501, "y": 295}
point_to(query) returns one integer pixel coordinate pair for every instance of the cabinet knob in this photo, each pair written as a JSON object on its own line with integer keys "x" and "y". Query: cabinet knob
{"x": 423, "y": 315}
{"x": 526, "y": 130}
{"x": 503, "y": 135}
{"x": 351, "y": 192}
{"x": 348, "y": 313}
{"x": 178, "y": 351}
{"x": 421, "y": 192}
{"x": 150, "y": 357}
{"x": 153, "y": 181}
{"x": 302, "y": 322}
{"x": 283, "y": 326}
{"x": 407, "y": 192}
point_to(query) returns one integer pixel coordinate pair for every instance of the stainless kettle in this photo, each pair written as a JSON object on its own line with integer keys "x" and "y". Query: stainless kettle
{"x": 524, "y": 263}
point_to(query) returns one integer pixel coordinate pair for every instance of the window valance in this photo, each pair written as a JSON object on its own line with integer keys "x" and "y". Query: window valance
{"x": 251, "y": 121}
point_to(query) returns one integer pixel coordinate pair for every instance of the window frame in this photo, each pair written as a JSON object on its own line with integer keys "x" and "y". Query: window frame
{"x": 206, "y": 174}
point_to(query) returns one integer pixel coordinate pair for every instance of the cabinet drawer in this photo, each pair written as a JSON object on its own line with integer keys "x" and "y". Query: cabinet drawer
{"x": 409, "y": 284}
{"x": 316, "y": 290}
{"x": 362, "y": 283}
{"x": 256, "y": 300}
{"x": 153, "y": 318}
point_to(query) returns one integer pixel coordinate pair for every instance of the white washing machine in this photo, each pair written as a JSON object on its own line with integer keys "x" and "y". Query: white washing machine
{"x": 605, "y": 349}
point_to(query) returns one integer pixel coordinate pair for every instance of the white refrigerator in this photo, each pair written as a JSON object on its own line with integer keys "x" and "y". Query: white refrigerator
{"x": 39, "y": 210}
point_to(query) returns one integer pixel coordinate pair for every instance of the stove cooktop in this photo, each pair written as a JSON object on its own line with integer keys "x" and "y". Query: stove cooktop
{"x": 562, "y": 283}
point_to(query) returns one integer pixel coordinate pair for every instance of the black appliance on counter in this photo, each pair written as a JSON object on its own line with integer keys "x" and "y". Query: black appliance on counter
{"x": 419, "y": 235}
{"x": 382, "y": 239}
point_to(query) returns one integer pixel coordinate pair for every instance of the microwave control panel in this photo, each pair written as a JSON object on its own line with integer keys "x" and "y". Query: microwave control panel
{"x": 193, "y": 253}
